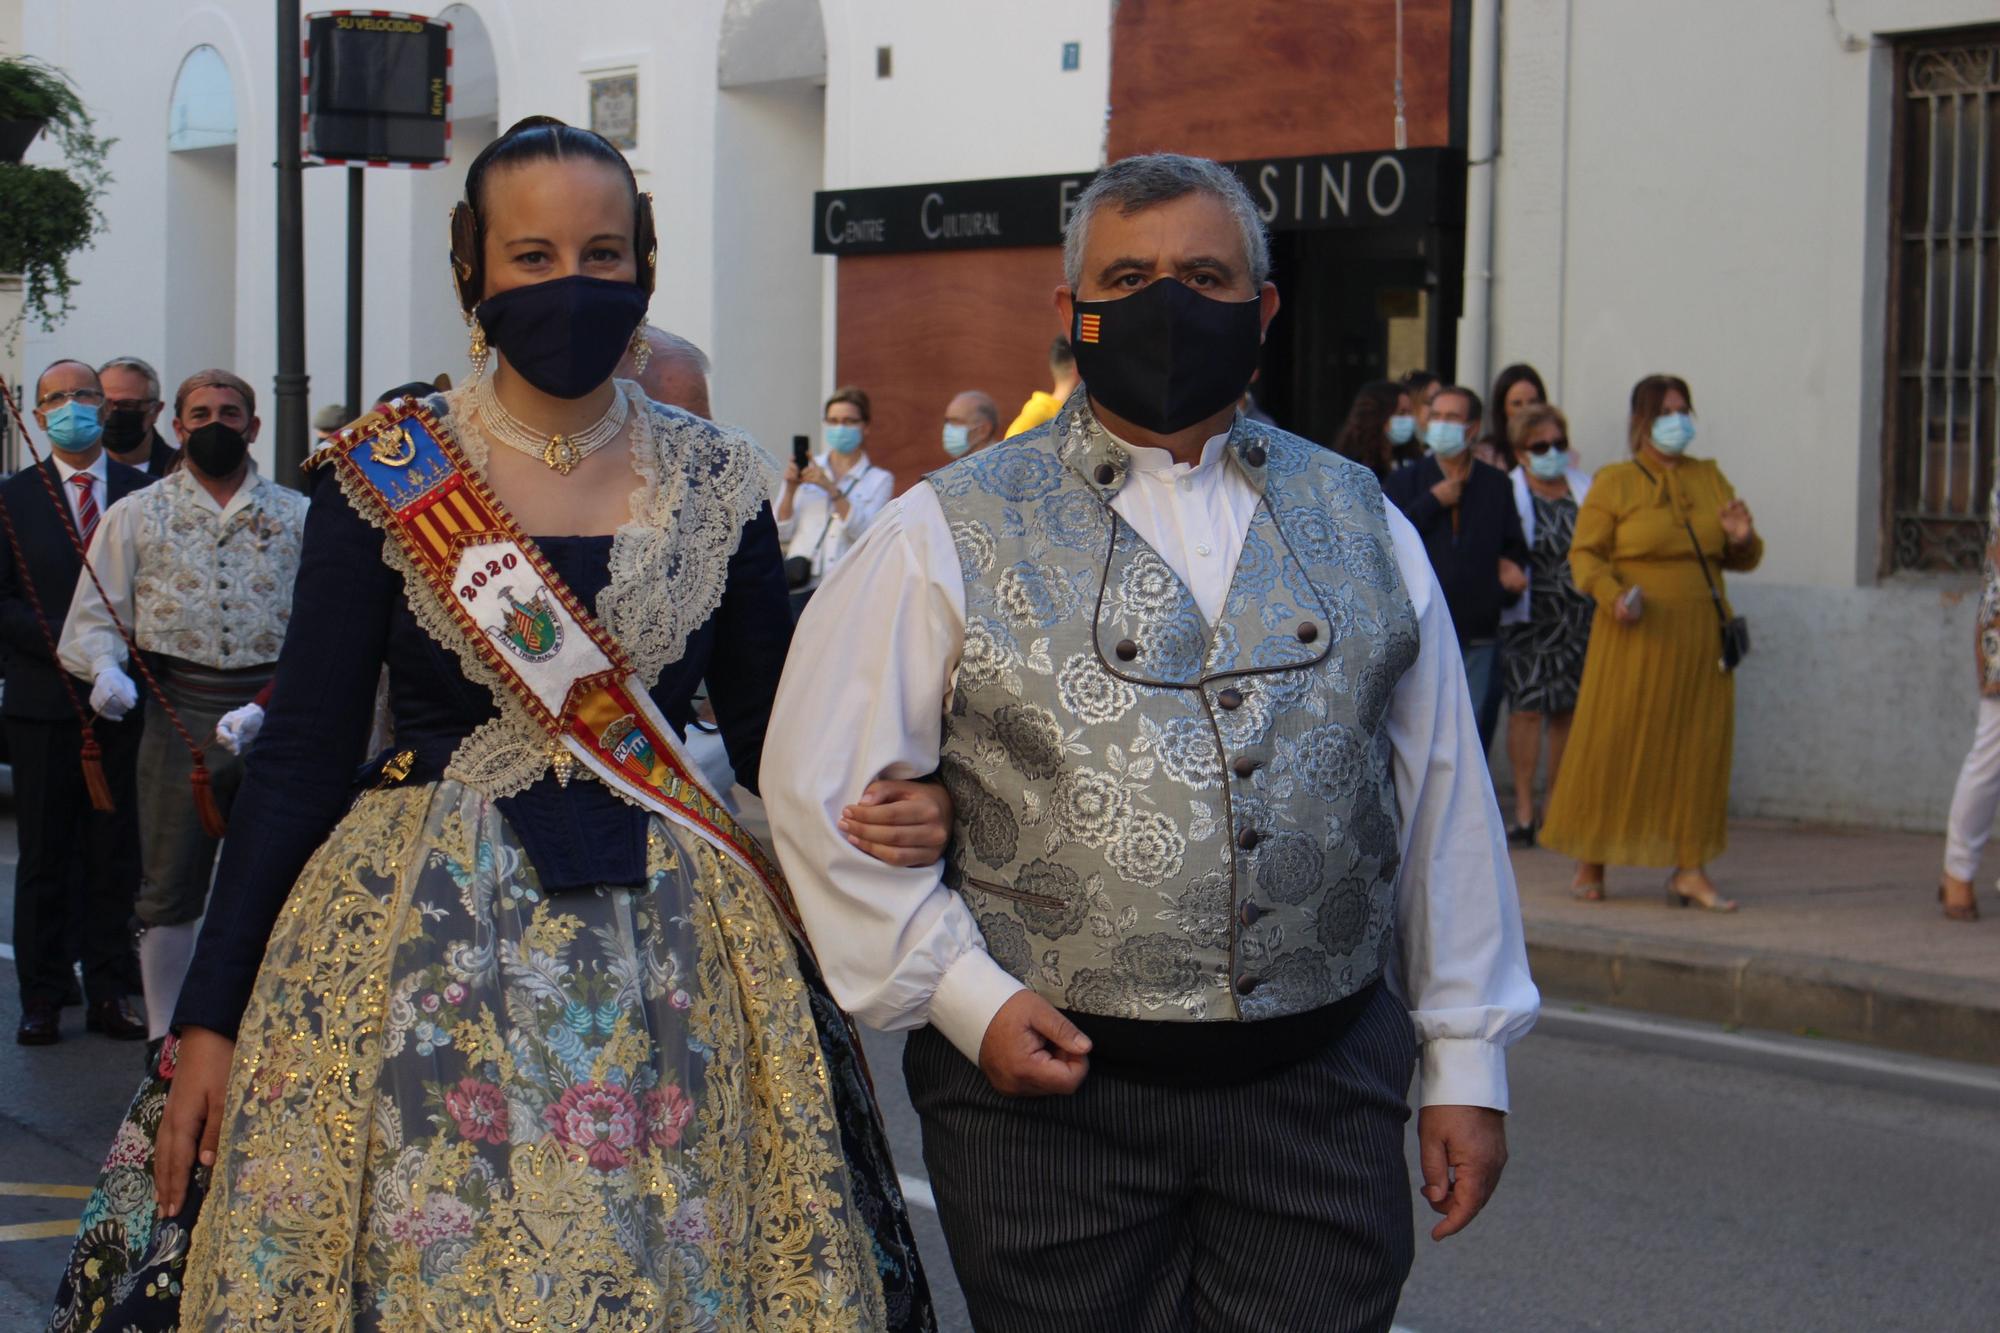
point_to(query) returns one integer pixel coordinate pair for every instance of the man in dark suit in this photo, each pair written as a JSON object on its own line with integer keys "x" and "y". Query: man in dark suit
{"x": 79, "y": 868}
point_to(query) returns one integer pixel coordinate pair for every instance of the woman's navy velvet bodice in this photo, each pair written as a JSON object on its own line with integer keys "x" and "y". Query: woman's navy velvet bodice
{"x": 350, "y": 617}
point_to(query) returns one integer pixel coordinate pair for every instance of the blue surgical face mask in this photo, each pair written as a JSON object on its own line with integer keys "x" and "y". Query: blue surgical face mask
{"x": 1673, "y": 432}
{"x": 1446, "y": 438}
{"x": 1402, "y": 429}
{"x": 842, "y": 439}
{"x": 74, "y": 427}
{"x": 957, "y": 439}
{"x": 1549, "y": 466}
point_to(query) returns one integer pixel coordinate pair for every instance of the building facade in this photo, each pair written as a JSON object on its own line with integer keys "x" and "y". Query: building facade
{"x": 1789, "y": 203}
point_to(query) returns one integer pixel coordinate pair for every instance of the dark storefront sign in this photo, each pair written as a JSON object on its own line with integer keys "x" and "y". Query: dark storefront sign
{"x": 1418, "y": 187}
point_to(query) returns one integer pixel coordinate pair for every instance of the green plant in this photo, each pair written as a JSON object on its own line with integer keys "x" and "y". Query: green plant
{"x": 47, "y": 214}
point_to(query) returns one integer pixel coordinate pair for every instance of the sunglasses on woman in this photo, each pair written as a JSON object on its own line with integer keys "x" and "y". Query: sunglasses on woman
{"x": 1540, "y": 447}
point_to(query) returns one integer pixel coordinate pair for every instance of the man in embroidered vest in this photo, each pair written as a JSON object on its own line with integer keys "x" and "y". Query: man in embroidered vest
{"x": 1226, "y": 858}
{"x": 200, "y": 568}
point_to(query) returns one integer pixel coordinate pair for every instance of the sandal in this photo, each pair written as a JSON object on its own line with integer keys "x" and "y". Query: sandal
{"x": 1965, "y": 911}
{"x": 1675, "y": 898}
{"x": 1587, "y": 890}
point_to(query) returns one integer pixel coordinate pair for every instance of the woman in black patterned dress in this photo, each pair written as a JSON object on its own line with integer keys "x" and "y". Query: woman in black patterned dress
{"x": 1547, "y": 631}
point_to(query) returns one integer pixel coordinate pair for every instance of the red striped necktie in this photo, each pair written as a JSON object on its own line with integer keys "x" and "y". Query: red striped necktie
{"x": 86, "y": 505}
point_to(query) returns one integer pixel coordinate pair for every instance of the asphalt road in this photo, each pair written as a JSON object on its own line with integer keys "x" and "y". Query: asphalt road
{"x": 1658, "y": 1181}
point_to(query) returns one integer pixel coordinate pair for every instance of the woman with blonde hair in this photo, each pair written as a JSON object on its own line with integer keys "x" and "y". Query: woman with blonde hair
{"x": 1645, "y": 780}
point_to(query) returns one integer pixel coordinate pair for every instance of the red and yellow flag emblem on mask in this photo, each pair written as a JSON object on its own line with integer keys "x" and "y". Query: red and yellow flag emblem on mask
{"x": 1087, "y": 328}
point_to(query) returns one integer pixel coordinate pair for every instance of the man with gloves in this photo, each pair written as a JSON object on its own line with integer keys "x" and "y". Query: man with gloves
{"x": 200, "y": 569}
{"x": 79, "y": 866}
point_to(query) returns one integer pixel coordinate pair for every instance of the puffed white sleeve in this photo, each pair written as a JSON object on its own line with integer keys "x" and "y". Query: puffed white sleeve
{"x": 90, "y": 640}
{"x": 863, "y": 697}
{"x": 1463, "y": 957}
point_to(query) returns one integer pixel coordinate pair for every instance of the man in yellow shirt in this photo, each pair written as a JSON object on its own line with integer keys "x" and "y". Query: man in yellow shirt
{"x": 1041, "y": 406}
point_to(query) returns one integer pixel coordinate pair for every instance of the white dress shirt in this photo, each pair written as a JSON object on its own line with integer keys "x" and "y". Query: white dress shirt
{"x": 100, "y": 477}
{"x": 818, "y": 533}
{"x": 864, "y": 694}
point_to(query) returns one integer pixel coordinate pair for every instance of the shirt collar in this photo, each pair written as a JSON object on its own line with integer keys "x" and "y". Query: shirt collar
{"x": 97, "y": 469}
{"x": 1159, "y": 463}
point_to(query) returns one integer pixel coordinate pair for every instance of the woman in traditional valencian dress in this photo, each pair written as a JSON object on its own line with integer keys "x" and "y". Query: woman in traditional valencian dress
{"x": 531, "y": 1045}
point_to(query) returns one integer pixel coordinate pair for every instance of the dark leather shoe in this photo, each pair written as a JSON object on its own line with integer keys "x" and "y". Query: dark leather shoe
{"x": 111, "y": 1019}
{"x": 41, "y": 1025}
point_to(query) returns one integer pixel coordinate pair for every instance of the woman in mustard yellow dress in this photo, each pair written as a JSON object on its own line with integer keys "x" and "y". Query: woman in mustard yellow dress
{"x": 1646, "y": 778}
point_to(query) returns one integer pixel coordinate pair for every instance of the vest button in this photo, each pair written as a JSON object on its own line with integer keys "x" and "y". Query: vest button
{"x": 1231, "y": 699}
{"x": 1254, "y": 455}
{"x": 1126, "y": 650}
{"x": 1245, "y": 766}
{"x": 1244, "y": 985}
{"x": 1251, "y": 914}
{"x": 1248, "y": 838}
{"x": 1308, "y": 631}
{"x": 1106, "y": 474}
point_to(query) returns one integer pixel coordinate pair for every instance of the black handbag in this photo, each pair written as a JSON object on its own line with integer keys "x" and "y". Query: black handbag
{"x": 1735, "y": 629}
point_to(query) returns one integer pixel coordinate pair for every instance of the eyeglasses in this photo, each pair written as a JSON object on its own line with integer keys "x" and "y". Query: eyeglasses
{"x": 1540, "y": 447}
{"x": 94, "y": 397}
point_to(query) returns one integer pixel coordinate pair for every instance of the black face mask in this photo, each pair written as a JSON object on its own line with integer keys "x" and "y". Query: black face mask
{"x": 1166, "y": 356}
{"x": 124, "y": 429}
{"x": 564, "y": 336}
{"x": 217, "y": 449}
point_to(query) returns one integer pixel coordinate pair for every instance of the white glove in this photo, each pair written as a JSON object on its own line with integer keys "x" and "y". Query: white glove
{"x": 237, "y": 729}
{"x": 114, "y": 695}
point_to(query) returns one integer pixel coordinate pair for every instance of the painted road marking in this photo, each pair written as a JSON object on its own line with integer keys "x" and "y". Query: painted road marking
{"x": 40, "y": 1230}
{"x": 917, "y": 1190}
{"x": 45, "y": 1191}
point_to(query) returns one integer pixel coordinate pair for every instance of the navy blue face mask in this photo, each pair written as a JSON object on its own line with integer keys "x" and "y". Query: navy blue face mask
{"x": 564, "y": 336}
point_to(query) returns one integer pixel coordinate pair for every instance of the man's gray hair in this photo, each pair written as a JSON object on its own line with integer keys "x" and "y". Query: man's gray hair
{"x": 134, "y": 363}
{"x": 1138, "y": 183}
{"x": 666, "y": 344}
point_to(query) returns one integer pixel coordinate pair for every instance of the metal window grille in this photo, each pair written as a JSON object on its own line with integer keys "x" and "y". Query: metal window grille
{"x": 1943, "y": 435}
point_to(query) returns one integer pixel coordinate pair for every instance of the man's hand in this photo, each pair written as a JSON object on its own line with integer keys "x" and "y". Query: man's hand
{"x": 193, "y": 1115}
{"x": 1464, "y": 1150}
{"x": 113, "y": 695}
{"x": 900, "y": 823}
{"x": 1030, "y": 1050}
{"x": 1448, "y": 490}
{"x": 1512, "y": 577}
{"x": 239, "y": 727}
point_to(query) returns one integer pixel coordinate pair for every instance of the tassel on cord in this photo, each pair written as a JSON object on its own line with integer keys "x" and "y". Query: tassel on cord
{"x": 212, "y": 822}
{"x": 93, "y": 774}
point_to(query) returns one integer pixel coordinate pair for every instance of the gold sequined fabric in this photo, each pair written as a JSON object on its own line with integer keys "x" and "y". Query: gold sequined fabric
{"x": 461, "y": 1103}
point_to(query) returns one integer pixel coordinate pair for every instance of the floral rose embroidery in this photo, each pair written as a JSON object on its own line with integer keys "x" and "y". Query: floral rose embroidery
{"x": 478, "y": 1109}
{"x": 1090, "y": 805}
{"x": 667, "y": 1113}
{"x": 1289, "y": 865}
{"x": 1032, "y": 738}
{"x": 1148, "y": 588}
{"x": 601, "y": 1119}
{"x": 1148, "y": 849}
{"x": 1090, "y": 692}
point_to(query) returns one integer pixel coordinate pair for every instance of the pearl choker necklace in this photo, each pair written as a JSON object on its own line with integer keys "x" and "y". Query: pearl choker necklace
{"x": 559, "y": 453}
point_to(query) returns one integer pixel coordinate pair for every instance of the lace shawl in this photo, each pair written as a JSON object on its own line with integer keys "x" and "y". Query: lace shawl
{"x": 699, "y": 484}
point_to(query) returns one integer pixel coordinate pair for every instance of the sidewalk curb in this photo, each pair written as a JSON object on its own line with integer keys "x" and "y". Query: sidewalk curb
{"x": 1898, "y": 1008}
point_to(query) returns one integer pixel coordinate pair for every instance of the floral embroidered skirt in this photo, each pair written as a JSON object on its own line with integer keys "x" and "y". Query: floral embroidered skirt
{"x": 461, "y": 1103}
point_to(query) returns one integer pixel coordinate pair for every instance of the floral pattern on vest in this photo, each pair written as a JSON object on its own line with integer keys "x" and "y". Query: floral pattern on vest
{"x": 212, "y": 589}
{"x": 1158, "y": 817}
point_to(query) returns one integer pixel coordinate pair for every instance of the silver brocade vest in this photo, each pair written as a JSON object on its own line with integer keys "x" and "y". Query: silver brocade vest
{"x": 1158, "y": 818}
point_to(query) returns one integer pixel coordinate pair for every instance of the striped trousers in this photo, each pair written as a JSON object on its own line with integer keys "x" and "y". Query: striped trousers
{"x": 1280, "y": 1205}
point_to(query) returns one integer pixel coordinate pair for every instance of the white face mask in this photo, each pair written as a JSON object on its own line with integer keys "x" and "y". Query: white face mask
{"x": 957, "y": 439}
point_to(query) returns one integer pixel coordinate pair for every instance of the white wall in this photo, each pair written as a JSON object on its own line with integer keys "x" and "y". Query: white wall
{"x": 975, "y": 92}
{"x": 766, "y": 344}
